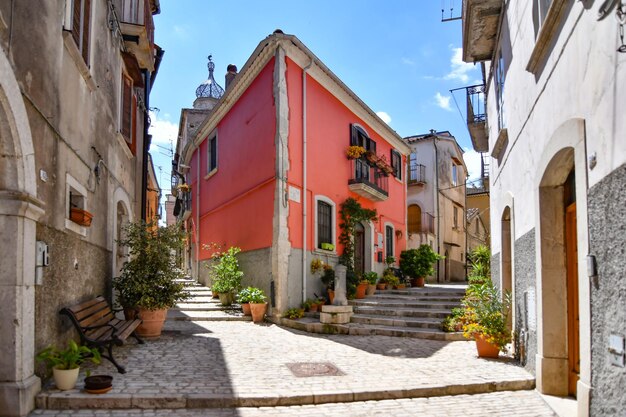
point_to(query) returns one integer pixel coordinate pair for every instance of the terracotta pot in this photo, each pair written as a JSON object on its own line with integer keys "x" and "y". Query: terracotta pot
{"x": 65, "y": 379}
{"x": 371, "y": 289}
{"x": 130, "y": 313}
{"x": 400, "y": 286}
{"x": 360, "y": 290}
{"x": 98, "y": 384}
{"x": 82, "y": 217}
{"x": 227, "y": 298}
{"x": 418, "y": 282}
{"x": 246, "y": 309}
{"x": 215, "y": 294}
{"x": 331, "y": 295}
{"x": 381, "y": 286}
{"x": 485, "y": 349}
{"x": 152, "y": 323}
{"x": 314, "y": 308}
{"x": 258, "y": 311}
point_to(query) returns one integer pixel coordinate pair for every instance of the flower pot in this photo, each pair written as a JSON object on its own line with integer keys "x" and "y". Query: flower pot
{"x": 246, "y": 309}
{"x": 485, "y": 349}
{"x": 82, "y": 217}
{"x": 152, "y": 323}
{"x": 381, "y": 286}
{"x": 215, "y": 294}
{"x": 98, "y": 384}
{"x": 227, "y": 298}
{"x": 130, "y": 313}
{"x": 418, "y": 282}
{"x": 331, "y": 295}
{"x": 258, "y": 311}
{"x": 360, "y": 290}
{"x": 314, "y": 308}
{"x": 400, "y": 286}
{"x": 65, "y": 379}
{"x": 371, "y": 289}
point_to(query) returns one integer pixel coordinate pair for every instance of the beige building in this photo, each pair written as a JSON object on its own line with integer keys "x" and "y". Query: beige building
{"x": 555, "y": 87}
{"x": 75, "y": 76}
{"x": 436, "y": 201}
{"x": 478, "y": 226}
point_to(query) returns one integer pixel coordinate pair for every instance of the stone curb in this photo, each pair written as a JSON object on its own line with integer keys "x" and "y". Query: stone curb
{"x": 80, "y": 400}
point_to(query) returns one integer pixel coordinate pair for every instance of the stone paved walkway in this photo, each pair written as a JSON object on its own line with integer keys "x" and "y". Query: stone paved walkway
{"x": 240, "y": 364}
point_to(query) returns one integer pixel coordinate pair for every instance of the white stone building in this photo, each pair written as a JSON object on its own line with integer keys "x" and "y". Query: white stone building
{"x": 556, "y": 132}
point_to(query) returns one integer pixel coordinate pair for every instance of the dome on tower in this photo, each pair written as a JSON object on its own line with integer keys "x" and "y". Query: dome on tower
{"x": 210, "y": 88}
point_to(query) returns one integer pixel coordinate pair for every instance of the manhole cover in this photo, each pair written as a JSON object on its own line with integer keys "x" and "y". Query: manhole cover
{"x": 304, "y": 369}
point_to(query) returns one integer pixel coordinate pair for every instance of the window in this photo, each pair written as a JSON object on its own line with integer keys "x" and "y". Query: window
{"x": 455, "y": 175}
{"x": 212, "y": 154}
{"x": 325, "y": 223}
{"x": 80, "y": 16}
{"x": 499, "y": 85}
{"x": 388, "y": 241}
{"x": 75, "y": 197}
{"x": 396, "y": 164}
{"x": 127, "y": 109}
{"x": 359, "y": 137}
{"x": 540, "y": 10}
{"x": 477, "y": 231}
{"x": 414, "y": 218}
{"x": 456, "y": 217}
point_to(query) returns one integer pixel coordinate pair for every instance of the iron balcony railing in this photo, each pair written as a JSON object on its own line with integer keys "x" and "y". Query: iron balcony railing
{"x": 368, "y": 175}
{"x": 417, "y": 174}
{"x": 476, "y": 103}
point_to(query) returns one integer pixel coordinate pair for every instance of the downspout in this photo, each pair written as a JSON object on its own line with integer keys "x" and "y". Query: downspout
{"x": 198, "y": 214}
{"x": 146, "y": 144}
{"x": 304, "y": 183}
{"x": 435, "y": 138}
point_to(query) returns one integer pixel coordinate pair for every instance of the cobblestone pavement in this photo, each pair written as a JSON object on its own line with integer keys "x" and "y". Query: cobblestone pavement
{"x": 508, "y": 403}
{"x": 199, "y": 364}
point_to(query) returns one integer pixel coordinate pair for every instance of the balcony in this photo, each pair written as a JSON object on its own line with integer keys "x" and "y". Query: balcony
{"x": 477, "y": 117}
{"x": 137, "y": 27}
{"x": 368, "y": 181}
{"x": 417, "y": 174}
{"x": 480, "y": 28}
{"x": 182, "y": 207}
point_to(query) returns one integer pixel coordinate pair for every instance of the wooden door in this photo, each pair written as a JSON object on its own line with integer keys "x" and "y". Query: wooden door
{"x": 573, "y": 324}
{"x": 359, "y": 249}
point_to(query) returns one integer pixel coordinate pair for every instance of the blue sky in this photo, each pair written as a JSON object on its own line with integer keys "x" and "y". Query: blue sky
{"x": 396, "y": 55}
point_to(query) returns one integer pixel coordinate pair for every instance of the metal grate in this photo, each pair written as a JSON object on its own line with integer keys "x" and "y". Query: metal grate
{"x": 307, "y": 369}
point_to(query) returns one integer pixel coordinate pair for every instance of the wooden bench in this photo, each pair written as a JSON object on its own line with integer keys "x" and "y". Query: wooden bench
{"x": 98, "y": 327}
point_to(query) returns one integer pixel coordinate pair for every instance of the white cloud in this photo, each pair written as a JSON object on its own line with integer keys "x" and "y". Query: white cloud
{"x": 408, "y": 61}
{"x": 472, "y": 161}
{"x": 458, "y": 69}
{"x": 443, "y": 101}
{"x": 383, "y": 115}
{"x": 163, "y": 131}
{"x": 180, "y": 31}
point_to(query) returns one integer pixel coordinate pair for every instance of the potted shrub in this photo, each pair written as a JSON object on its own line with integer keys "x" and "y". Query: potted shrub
{"x": 258, "y": 306}
{"x": 371, "y": 278}
{"x": 485, "y": 318}
{"x": 226, "y": 275}
{"x": 150, "y": 280}
{"x": 480, "y": 261}
{"x": 361, "y": 288}
{"x": 328, "y": 279}
{"x": 418, "y": 263}
{"x": 243, "y": 298}
{"x": 65, "y": 363}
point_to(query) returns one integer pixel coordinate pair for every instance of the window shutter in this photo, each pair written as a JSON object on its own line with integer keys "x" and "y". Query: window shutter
{"x": 354, "y": 136}
{"x": 371, "y": 145}
{"x": 213, "y": 161}
{"x": 76, "y": 21}
{"x": 127, "y": 93}
{"x": 85, "y": 35}
{"x": 133, "y": 124}
{"x": 389, "y": 240}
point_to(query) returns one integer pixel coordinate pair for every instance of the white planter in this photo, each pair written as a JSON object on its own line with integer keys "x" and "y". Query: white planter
{"x": 65, "y": 379}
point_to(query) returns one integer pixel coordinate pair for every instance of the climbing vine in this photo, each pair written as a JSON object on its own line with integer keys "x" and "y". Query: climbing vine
{"x": 351, "y": 213}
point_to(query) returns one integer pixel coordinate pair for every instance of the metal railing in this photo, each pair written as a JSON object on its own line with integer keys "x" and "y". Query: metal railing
{"x": 476, "y": 103}
{"x": 364, "y": 173}
{"x": 417, "y": 174}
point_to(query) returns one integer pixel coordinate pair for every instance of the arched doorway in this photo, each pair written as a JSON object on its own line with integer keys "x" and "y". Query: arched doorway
{"x": 19, "y": 211}
{"x": 559, "y": 275}
{"x": 359, "y": 248}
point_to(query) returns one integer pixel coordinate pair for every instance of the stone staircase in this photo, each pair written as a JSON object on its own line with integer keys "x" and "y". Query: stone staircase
{"x": 203, "y": 307}
{"x": 411, "y": 312}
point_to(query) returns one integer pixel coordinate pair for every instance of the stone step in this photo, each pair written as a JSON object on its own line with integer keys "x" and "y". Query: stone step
{"x": 223, "y": 315}
{"x": 423, "y": 322}
{"x": 417, "y": 293}
{"x": 382, "y": 296}
{"x": 405, "y": 304}
{"x": 413, "y": 332}
{"x": 402, "y": 312}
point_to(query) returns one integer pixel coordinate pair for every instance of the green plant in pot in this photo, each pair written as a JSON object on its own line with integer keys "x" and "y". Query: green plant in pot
{"x": 258, "y": 306}
{"x": 480, "y": 261}
{"x": 371, "y": 278}
{"x": 65, "y": 363}
{"x": 418, "y": 264}
{"x": 243, "y": 298}
{"x": 150, "y": 280}
{"x": 226, "y": 275}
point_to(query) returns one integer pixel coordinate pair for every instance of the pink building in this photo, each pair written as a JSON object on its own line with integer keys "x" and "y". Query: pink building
{"x": 267, "y": 171}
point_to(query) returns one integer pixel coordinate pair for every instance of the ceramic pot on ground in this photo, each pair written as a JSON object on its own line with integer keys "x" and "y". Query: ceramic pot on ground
{"x": 331, "y": 296}
{"x": 258, "y": 311}
{"x": 227, "y": 298}
{"x": 360, "y": 290}
{"x": 246, "y": 309}
{"x": 98, "y": 384}
{"x": 65, "y": 379}
{"x": 418, "y": 282}
{"x": 314, "y": 308}
{"x": 152, "y": 323}
{"x": 381, "y": 286}
{"x": 485, "y": 349}
{"x": 371, "y": 289}
{"x": 400, "y": 286}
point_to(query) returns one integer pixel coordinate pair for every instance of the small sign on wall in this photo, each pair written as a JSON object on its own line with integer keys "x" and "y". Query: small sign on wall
{"x": 379, "y": 240}
{"x": 294, "y": 194}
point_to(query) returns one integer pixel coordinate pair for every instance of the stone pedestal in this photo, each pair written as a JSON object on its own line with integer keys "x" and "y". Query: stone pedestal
{"x": 335, "y": 314}
{"x": 340, "y": 286}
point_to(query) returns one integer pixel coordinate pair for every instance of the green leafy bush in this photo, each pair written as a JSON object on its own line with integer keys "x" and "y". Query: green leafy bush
{"x": 419, "y": 262}
{"x": 225, "y": 273}
{"x": 371, "y": 277}
{"x": 69, "y": 358}
{"x": 486, "y": 314}
{"x": 251, "y": 295}
{"x": 294, "y": 313}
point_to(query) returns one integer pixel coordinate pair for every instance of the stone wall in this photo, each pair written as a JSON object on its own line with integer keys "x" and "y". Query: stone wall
{"x": 525, "y": 304}
{"x": 607, "y": 235}
{"x": 74, "y": 275}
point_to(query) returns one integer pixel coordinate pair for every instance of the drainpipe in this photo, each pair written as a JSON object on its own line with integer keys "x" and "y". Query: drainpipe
{"x": 304, "y": 184}
{"x": 198, "y": 214}
{"x": 146, "y": 145}
{"x": 435, "y": 138}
